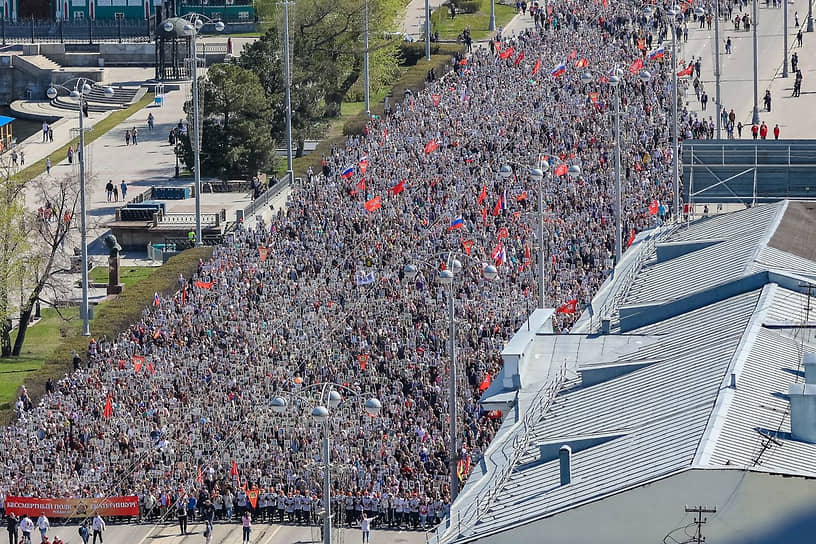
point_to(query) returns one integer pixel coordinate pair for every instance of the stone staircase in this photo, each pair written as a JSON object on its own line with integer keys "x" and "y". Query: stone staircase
{"x": 98, "y": 101}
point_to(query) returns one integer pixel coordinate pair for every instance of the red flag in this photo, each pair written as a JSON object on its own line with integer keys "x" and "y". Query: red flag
{"x": 594, "y": 97}
{"x": 687, "y": 71}
{"x": 522, "y": 196}
{"x": 482, "y": 196}
{"x": 184, "y": 296}
{"x": 582, "y": 62}
{"x": 373, "y": 204}
{"x": 150, "y": 368}
{"x": 484, "y": 215}
{"x": 561, "y": 170}
{"x": 200, "y": 477}
{"x": 436, "y": 98}
{"x": 463, "y": 62}
{"x": 654, "y": 207}
{"x": 361, "y": 185}
{"x": 108, "y": 411}
{"x": 497, "y": 207}
{"x": 568, "y": 307}
{"x": 137, "y": 365}
{"x": 507, "y": 53}
{"x": 431, "y": 146}
{"x": 537, "y": 66}
{"x": 398, "y": 188}
{"x": 138, "y": 359}
{"x": 519, "y": 59}
{"x": 363, "y": 360}
{"x": 503, "y": 233}
{"x": 468, "y": 245}
{"x": 263, "y": 253}
{"x": 641, "y": 44}
{"x": 204, "y": 284}
{"x": 636, "y": 67}
{"x": 526, "y": 253}
{"x": 485, "y": 383}
{"x": 631, "y": 238}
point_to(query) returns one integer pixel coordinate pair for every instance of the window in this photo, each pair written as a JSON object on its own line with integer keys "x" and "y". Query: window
{"x": 119, "y": 16}
{"x": 79, "y": 15}
{"x": 243, "y": 15}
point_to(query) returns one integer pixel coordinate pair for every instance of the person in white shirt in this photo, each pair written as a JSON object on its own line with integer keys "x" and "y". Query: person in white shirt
{"x": 43, "y": 524}
{"x": 98, "y": 526}
{"x": 26, "y": 526}
{"x": 365, "y": 527}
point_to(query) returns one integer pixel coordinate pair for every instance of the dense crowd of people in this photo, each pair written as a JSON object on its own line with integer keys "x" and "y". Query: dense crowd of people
{"x": 177, "y": 409}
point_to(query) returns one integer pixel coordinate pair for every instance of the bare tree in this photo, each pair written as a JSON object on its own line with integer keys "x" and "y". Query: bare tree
{"x": 48, "y": 232}
{"x": 13, "y": 243}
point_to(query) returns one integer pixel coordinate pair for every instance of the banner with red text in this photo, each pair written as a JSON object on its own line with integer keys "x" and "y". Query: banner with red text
{"x": 63, "y": 508}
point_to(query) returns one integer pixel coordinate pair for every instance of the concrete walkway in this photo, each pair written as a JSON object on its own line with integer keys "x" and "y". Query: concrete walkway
{"x": 413, "y": 22}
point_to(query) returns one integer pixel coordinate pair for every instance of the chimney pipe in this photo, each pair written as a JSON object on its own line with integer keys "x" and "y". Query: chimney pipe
{"x": 606, "y": 325}
{"x": 565, "y": 462}
{"x": 733, "y": 380}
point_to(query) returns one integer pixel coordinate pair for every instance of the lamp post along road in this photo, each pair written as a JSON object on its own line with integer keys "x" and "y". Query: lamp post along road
{"x": 446, "y": 277}
{"x": 322, "y": 415}
{"x": 365, "y": 64}
{"x": 81, "y": 87}
{"x": 785, "y": 38}
{"x": 755, "y": 116}
{"x": 492, "y": 25}
{"x": 190, "y": 25}
{"x": 427, "y": 30}
{"x": 288, "y": 93}
{"x": 717, "y": 67}
{"x": 810, "y": 16}
{"x": 676, "y": 143}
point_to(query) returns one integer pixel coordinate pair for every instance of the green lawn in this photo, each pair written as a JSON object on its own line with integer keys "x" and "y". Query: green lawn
{"x": 41, "y": 341}
{"x": 127, "y": 275}
{"x": 450, "y": 29}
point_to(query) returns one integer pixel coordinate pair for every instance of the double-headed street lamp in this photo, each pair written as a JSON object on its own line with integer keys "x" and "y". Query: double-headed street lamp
{"x": 537, "y": 175}
{"x": 615, "y": 81}
{"x": 329, "y": 400}
{"x": 79, "y": 89}
{"x": 190, "y": 25}
{"x": 446, "y": 277}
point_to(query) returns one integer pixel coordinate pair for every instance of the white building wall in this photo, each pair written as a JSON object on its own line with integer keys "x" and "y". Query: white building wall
{"x": 746, "y": 502}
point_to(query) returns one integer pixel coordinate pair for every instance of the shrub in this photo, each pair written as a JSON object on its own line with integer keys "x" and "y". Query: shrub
{"x": 468, "y": 6}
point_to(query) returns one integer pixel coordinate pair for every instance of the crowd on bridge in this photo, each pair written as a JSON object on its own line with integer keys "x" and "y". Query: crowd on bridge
{"x": 177, "y": 409}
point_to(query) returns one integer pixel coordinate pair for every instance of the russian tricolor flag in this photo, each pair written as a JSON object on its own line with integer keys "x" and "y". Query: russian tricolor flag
{"x": 559, "y": 70}
{"x": 657, "y": 53}
{"x": 456, "y": 224}
{"x": 347, "y": 173}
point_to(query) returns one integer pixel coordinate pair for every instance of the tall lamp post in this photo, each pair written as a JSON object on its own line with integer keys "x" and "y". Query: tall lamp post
{"x": 755, "y": 116}
{"x": 79, "y": 89}
{"x": 615, "y": 81}
{"x": 537, "y": 175}
{"x": 677, "y": 16}
{"x": 427, "y": 30}
{"x": 190, "y": 25}
{"x": 446, "y": 277}
{"x": 330, "y": 399}
{"x": 492, "y": 24}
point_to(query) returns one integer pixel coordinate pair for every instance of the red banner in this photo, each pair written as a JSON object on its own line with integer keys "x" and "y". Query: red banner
{"x": 64, "y": 508}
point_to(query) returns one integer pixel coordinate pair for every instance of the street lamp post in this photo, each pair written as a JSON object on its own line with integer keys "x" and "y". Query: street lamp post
{"x": 785, "y": 38}
{"x": 492, "y": 25}
{"x": 810, "y": 16}
{"x": 81, "y": 88}
{"x": 446, "y": 277}
{"x": 755, "y": 116}
{"x": 366, "y": 75}
{"x": 427, "y": 30}
{"x": 190, "y": 25}
{"x": 615, "y": 82}
{"x": 322, "y": 414}
{"x": 537, "y": 175}
{"x": 675, "y": 13}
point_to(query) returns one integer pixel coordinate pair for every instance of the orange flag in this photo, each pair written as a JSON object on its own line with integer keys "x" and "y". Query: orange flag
{"x": 263, "y": 252}
{"x": 373, "y": 204}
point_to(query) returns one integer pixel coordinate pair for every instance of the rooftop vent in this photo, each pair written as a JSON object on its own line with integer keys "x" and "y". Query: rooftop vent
{"x": 803, "y": 403}
{"x": 565, "y": 464}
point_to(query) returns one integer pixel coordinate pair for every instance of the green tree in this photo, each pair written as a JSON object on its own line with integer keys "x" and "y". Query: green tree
{"x": 237, "y": 124}
{"x": 13, "y": 244}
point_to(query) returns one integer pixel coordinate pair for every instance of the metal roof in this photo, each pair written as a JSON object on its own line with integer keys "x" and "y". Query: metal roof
{"x": 677, "y": 410}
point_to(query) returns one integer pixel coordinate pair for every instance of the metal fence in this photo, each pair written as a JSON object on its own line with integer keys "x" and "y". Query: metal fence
{"x": 88, "y": 32}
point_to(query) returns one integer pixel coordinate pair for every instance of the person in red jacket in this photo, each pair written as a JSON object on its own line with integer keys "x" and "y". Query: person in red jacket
{"x": 763, "y": 130}
{"x": 776, "y": 132}
{"x": 754, "y": 131}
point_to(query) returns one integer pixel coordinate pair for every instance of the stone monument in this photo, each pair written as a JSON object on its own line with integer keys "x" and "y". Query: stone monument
{"x": 114, "y": 287}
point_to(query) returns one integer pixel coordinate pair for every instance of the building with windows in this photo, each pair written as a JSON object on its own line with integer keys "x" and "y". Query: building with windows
{"x": 78, "y": 10}
{"x": 686, "y": 392}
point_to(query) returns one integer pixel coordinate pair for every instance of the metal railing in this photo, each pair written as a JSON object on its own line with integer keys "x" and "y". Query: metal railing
{"x": 511, "y": 449}
{"x": 207, "y": 219}
{"x": 264, "y": 198}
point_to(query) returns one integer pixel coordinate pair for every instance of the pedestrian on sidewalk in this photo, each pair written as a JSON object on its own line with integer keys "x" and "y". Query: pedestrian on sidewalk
{"x": 776, "y": 131}
{"x": 794, "y": 62}
{"x": 70, "y": 155}
{"x": 767, "y": 100}
{"x": 135, "y": 135}
{"x": 728, "y": 46}
{"x": 763, "y": 130}
{"x": 739, "y": 130}
{"x": 109, "y": 192}
{"x": 127, "y": 137}
{"x": 150, "y": 122}
{"x": 48, "y": 166}
{"x": 754, "y": 131}
{"x": 115, "y": 193}
{"x": 123, "y": 187}
{"x": 98, "y": 527}
{"x": 208, "y": 529}
{"x": 799, "y": 38}
{"x": 22, "y": 158}
{"x": 50, "y": 135}
{"x": 796, "y": 19}
{"x": 45, "y": 131}
{"x": 14, "y": 158}
{"x": 704, "y": 100}
{"x": 246, "y": 523}
{"x": 365, "y": 527}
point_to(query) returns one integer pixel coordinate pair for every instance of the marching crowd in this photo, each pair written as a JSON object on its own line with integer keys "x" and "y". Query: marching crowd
{"x": 177, "y": 409}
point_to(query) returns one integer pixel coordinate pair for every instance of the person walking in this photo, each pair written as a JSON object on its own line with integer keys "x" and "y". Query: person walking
{"x": 767, "y": 100}
{"x": 83, "y": 532}
{"x": 26, "y": 526}
{"x": 135, "y": 136}
{"x": 11, "y": 526}
{"x": 208, "y": 530}
{"x": 98, "y": 527}
{"x": 48, "y": 166}
{"x": 799, "y": 38}
{"x": 763, "y": 130}
{"x": 704, "y": 100}
{"x": 109, "y": 190}
{"x": 22, "y": 158}
{"x": 123, "y": 188}
{"x": 127, "y": 137}
{"x": 181, "y": 512}
{"x": 150, "y": 121}
{"x": 45, "y": 129}
{"x": 739, "y": 130}
{"x": 246, "y": 523}
{"x": 776, "y": 131}
{"x": 43, "y": 524}
{"x": 754, "y": 131}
